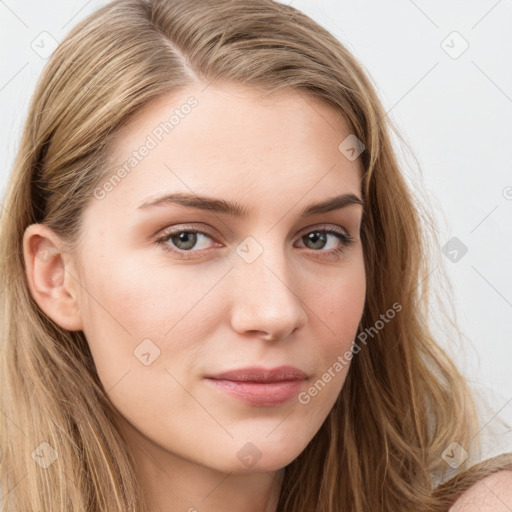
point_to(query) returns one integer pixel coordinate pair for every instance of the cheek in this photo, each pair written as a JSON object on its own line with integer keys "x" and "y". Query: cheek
{"x": 119, "y": 310}
{"x": 130, "y": 308}
{"x": 340, "y": 303}
{"x": 340, "y": 309}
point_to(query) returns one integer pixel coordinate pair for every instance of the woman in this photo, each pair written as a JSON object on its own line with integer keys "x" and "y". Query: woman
{"x": 215, "y": 281}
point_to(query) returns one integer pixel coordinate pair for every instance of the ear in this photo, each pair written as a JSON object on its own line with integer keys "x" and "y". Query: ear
{"x": 51, "y": 277}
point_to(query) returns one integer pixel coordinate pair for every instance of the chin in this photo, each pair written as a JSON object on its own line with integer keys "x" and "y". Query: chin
{"x": 265, "y": 456}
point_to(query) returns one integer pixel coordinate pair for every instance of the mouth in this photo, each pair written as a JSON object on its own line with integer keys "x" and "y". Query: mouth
{"x": 260, "y": 387}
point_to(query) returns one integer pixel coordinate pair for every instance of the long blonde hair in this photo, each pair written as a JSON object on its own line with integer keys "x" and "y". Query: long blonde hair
{"x": 403, "y": 402}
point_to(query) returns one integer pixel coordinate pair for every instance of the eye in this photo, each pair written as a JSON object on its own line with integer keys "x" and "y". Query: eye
{"x": 318, "y": 239}
{"x": 183, "y": 242}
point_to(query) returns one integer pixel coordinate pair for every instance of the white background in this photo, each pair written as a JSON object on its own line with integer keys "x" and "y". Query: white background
{"x": 455, "y": 113}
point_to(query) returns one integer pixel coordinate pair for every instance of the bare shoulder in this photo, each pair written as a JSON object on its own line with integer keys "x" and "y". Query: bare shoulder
{"x": 491, "y": 494}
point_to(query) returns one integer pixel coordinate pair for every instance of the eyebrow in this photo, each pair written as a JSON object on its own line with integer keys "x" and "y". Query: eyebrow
{"x": 235, "y": 209}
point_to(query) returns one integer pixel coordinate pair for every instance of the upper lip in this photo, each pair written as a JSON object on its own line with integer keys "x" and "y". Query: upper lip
{"x": 259, "y": 374}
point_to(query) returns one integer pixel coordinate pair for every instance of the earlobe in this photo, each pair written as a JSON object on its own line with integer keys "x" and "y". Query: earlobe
{"x": 48, "y": 275}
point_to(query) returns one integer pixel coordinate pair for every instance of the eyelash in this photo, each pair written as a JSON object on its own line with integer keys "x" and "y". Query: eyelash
{"x": 345, "y": 239}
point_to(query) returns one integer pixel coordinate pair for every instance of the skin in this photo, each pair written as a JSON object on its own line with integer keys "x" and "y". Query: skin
{"x": 213, "y": 312}
{"x": 490, "y": 494}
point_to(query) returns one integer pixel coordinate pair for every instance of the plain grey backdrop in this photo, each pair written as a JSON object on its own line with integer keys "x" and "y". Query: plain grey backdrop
{"x": 443, "y": 73}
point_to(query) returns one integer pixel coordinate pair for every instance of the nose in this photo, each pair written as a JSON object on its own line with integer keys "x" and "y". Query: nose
{"x": 266, "y": 300}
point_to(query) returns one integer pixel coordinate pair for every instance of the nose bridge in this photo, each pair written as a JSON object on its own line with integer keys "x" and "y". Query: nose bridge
{"x": 267, "y": 297}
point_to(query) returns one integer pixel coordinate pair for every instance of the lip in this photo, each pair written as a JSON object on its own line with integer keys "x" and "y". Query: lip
{"x": 260, "y": 374}
{"x": 261, "y": 387}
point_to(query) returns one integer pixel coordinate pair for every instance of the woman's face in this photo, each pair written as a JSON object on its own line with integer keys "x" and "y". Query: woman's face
{"x": 232, "y": 275}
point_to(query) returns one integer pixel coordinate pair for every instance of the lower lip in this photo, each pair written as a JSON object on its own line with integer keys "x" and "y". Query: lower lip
{"x": 259, "y": 393}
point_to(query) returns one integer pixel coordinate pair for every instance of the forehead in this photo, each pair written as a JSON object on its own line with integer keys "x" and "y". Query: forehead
{"x": 231, "y": 140}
